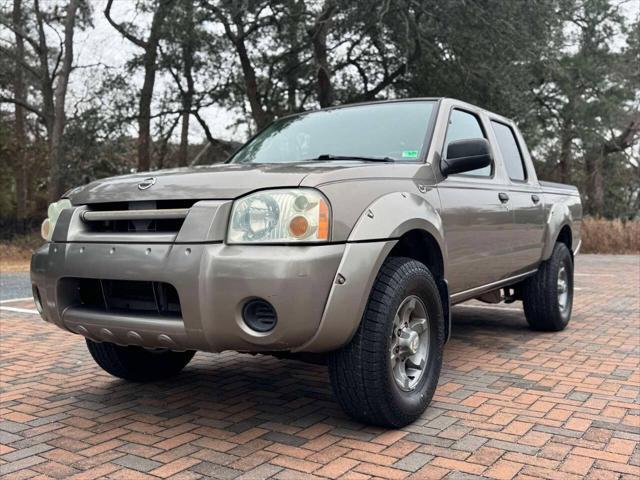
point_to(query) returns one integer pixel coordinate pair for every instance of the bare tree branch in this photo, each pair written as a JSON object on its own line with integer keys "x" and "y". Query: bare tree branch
{"x": 123, "y": 31}
{"x": 205, "y": 128}
{"x": 626, "y": 139}
{"x": 24, "y": 104}
{"x": 21, "y": 33}
{"x": 57, "y": 62}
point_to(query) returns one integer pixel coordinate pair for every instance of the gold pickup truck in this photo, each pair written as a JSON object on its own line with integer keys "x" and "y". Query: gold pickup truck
{"x": 347, "y": 232}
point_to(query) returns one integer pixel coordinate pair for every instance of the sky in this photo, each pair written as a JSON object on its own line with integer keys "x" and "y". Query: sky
{"x": 104, "y": 45}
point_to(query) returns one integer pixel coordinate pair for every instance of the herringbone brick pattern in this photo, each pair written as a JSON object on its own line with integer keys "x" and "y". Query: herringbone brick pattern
{"x": 511, "y": 403}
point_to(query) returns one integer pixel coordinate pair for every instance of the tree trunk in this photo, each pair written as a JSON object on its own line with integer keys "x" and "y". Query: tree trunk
{"x": 46, "y": 82}
{"x": 183, "y": 154}
{"x": 292, "y": 60}
{"x": 144, "y": 111}
{"x": 594, "y": 182}
{"x": 237, "y": 37}
{"x": 318, "y": 36}
{"x": 150, "y": 66}
{"x": 187, "y": 96}
{"x": 564, "y": 161}
{"x": 21, "y": 170}
{"x": 56, "y": 175}
{"x": 261, "y": 117}
{"x": 164, "y": 142}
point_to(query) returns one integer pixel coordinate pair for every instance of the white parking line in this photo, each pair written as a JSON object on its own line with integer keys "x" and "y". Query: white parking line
{"x": 19, "y": 310}
{"x": 12, "y": 300}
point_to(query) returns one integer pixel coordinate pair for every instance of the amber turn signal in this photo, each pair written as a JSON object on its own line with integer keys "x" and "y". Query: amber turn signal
{"x": 323, "y": 220}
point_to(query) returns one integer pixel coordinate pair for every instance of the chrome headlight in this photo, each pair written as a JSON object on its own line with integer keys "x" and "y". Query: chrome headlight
{"x": 53, "y": 212}
{"x": 280, "y": 216}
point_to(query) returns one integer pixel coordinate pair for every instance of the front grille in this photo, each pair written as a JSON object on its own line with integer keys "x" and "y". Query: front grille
{"x": 121, "y": 296}
{"x": 161, "y": 216}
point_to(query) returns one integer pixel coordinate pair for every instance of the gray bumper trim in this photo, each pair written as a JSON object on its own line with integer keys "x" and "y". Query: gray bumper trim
{"x": 122, "y": 329}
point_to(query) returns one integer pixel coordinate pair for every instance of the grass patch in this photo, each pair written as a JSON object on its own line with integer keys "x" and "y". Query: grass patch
{"x": 15, "y": 254}
{"x": 610, "y": 236}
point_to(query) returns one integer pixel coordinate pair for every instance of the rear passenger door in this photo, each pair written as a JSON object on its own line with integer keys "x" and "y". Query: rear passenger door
{"x": 477, "y": 224}
{"x": 524, "y": 197}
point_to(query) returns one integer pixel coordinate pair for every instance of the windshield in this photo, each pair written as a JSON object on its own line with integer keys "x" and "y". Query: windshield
{"x": 395, "y": 130}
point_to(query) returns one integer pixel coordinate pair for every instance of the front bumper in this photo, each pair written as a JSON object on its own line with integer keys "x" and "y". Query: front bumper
{"x": 213, "y": 282}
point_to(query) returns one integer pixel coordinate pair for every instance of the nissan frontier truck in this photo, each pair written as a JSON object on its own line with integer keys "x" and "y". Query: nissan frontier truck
{"x": 348, "y": 232}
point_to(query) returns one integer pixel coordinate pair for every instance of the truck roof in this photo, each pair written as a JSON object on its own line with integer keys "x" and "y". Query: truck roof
{"x": 410, "y": 99}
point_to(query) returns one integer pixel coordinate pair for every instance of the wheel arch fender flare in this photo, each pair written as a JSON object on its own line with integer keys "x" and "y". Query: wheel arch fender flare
{"x": 373, "y": 237}
{"x": 559, "y": 217}
{"x": 394, "y": 214}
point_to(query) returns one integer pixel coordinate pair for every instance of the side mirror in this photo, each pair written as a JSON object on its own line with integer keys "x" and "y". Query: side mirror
{"x": 466, "y": 156}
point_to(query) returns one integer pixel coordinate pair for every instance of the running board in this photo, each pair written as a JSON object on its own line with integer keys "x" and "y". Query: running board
{"x": 477, "y": 291}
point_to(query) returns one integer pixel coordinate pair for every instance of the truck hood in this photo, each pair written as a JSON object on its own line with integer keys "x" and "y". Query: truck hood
{"x": 222, "y": 181}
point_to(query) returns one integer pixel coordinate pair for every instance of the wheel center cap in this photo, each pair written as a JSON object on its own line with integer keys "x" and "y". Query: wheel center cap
{"x": 413, "y": 342}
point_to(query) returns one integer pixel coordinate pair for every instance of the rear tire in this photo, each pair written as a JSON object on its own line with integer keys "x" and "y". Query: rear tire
{"x": 136, "y": 363}
{"x": 548, "y": 295}
{"x": 377, "y": 377}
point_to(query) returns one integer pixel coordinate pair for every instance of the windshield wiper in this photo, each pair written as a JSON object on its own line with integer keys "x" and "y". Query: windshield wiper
{"x": 326, "y": 156}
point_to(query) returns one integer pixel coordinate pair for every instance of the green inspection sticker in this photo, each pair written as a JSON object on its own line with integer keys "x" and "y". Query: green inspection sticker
{"x": 410, "y": 154}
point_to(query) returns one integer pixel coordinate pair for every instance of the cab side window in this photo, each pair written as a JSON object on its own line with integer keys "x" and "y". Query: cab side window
{"x": 463, "y": 126}
{"x": 511, "y": 155}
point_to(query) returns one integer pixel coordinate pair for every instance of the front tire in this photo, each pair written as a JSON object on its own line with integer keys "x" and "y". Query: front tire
{"x": 388, "y": 373}
{"x": 547, "y": 296}
{"x": 136, "y": 363}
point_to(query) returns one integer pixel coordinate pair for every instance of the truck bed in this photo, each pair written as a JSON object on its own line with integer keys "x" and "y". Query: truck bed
{"x": 559, "y": 188}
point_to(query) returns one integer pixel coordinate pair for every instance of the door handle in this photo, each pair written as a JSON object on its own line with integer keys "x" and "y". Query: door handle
{"x": 535, "y": 198}
{"x": 504, "y": 198}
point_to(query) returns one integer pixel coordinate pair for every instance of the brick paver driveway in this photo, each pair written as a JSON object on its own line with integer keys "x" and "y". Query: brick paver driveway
{"x": 511, "y": 403}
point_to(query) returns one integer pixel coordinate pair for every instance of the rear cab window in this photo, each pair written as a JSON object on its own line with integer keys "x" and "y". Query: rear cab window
{"x": 510, "y": 151}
